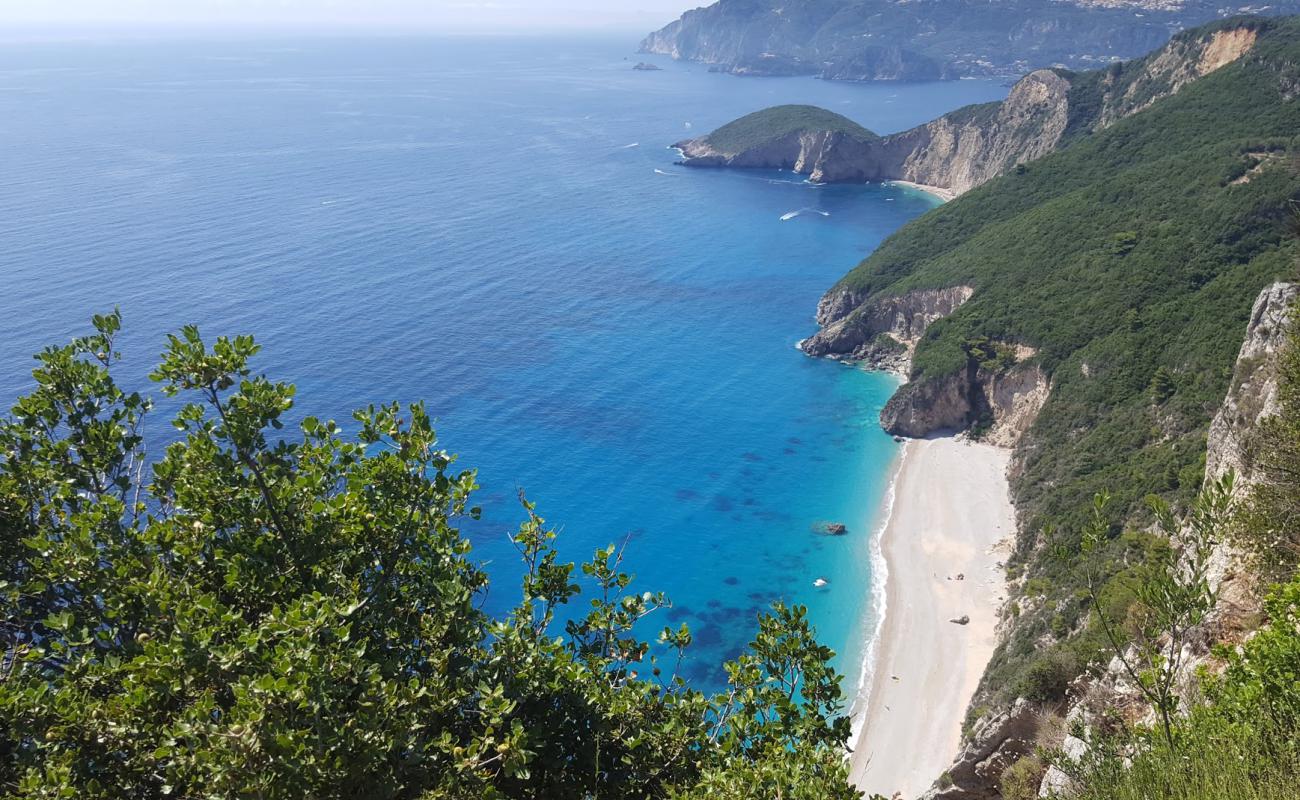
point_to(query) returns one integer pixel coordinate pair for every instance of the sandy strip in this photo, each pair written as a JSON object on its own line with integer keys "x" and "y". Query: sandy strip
{"x": 951, "y": 516}
{"x": 938, "y": 191}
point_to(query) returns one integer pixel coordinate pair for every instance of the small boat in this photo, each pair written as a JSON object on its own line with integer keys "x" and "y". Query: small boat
{"x": 820, "y": 582}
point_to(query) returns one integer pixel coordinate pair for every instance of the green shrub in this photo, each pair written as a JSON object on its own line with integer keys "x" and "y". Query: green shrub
{"x": 297, "y": 616}
{"x": 1020, "y": 780}
{"x": 1049, "y": 675}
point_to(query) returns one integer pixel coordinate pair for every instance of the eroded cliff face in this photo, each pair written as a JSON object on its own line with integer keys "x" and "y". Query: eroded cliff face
{"x": 1176, "y": 65}
{"x": 1003, "y": 403}
{"x": 1252, "y": 395}
{"x": 971, "y": 146}
{"x": 1000, "y": 404}
{"x": 1002, "y": 736}
{"x": 824, "y": 156}
{"x": 998, "y": 741}
{"x": 959, "y": 151}
{"x": 851, "y": 322}
{"x": 1231, "y": 442}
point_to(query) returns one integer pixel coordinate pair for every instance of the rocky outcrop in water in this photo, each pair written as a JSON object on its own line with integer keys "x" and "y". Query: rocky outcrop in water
{"x": 957, "y": 151}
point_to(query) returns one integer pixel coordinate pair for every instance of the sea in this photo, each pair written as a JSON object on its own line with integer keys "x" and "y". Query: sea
{"x": 495, "y": 226}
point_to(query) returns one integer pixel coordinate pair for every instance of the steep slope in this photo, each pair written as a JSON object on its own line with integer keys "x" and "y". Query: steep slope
{"x": 1111, "y": 281}
{"x": 961, "y": 150}
{"x": 929, "y": 39}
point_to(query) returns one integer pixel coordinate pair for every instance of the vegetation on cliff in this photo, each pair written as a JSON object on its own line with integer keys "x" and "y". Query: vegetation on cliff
{"x": 1240, "y": 735}
{"x": 257, "y": 616}
{"x": 772, "y": 124}
{"x": 1129, "y": 261}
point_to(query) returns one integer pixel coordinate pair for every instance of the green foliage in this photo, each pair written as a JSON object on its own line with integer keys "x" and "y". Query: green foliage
{"x": 1049, "y": 675}
{"x": 1243, "y": 739}
{"x": 1218, "y": 759}
{"x": 254, "y": 614}
{"x": 885, "y": 343}
{"x": 1130, "y": 264}
{"x": 1243, "y": 742}
{"x": 1172, "y": 597}
{"x": 989, "y": 355}
{"x": 770, "y": 124}
{"x": 1020, "y": 780}
{"x": 1162, "y": 385}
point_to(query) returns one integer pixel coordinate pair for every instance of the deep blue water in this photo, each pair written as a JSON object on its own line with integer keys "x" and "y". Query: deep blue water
{"x": 496, "y": 226}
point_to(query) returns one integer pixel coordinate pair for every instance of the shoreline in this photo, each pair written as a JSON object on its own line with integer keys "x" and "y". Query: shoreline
{"x": 947, "y": 513}
{"x": 938, "y": 191}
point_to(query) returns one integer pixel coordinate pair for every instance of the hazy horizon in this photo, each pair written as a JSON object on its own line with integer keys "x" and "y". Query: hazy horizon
{"x": 450, "y": 16}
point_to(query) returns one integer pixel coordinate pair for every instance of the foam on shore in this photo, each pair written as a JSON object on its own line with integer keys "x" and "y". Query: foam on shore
{"x": 948, "y": 515}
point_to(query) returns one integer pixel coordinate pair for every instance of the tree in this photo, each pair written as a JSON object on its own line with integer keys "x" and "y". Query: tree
{"x": 1172, "y": 595}
{"x": 254, "y": 615}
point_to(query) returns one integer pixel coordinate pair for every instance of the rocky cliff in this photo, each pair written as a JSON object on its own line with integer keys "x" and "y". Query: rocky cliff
{"x": 997, "y": 404}
{"x": 894, "y": 40}
{"x": 1252, "y": 395}
{"x": 957, "y": 151}
{"x": 961, "y": 150}
{"x": 1232, "y": 442}
{"x": 850, "y": 321}
{"x": 1002, "y": 737}
{"x": 824, "y": 156}
{"x": 968, "y": 147}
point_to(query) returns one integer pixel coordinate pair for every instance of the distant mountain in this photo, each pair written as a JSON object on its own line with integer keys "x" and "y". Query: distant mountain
{"x": 929, "y": 39}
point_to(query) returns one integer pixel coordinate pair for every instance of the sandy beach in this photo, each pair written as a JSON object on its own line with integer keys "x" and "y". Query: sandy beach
{"x": 937, "y": 191}
{"x": 951, "y": 516}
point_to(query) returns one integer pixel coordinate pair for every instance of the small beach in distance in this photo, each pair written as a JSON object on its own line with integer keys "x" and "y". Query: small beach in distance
{"x": 942, "y": 542}
{"x": 938, "y": 191}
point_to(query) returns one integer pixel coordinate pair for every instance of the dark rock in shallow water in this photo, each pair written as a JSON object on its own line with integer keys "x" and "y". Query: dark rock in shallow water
{"x": 707, "y": 635}
{"x": 731, "y": 580}
{"x": 831, "y": 528}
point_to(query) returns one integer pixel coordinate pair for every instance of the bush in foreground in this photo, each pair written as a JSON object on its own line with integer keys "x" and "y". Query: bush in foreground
{"x": 260, "y": 615}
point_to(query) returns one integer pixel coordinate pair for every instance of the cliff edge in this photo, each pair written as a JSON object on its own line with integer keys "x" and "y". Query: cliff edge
{"x": 970, "y": 146}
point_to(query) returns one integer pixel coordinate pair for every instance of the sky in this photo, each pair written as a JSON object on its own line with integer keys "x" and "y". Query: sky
{"x": 434, "y": 15}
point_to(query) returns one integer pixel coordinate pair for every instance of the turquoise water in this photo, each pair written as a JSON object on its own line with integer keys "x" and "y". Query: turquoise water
{"x": 496, "y": 226}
